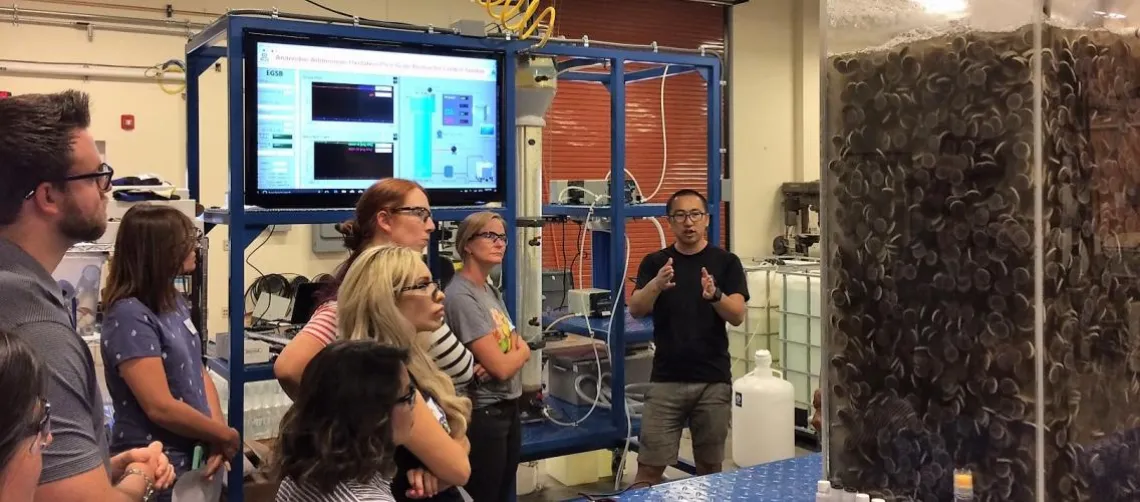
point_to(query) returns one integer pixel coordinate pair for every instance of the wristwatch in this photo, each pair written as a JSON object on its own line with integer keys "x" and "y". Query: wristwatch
{"x": 717, "y": 295}
{"x": 148, "y": 492}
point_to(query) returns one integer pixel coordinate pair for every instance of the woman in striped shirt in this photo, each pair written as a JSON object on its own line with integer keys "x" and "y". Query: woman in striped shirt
{"x": 392, "y": 211}
{"x": 338, "y": 440}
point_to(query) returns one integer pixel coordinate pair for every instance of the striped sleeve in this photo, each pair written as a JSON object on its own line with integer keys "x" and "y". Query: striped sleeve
{"x": 376, "y": 489}
{"x": 322, "y": 326}
{"x": 452, "y": 357}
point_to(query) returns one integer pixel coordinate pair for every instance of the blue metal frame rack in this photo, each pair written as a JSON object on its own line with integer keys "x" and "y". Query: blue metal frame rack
{"x": 224, "y": 39}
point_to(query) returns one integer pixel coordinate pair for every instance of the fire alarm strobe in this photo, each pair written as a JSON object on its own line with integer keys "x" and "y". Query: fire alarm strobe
{"x": 127, "y": 122}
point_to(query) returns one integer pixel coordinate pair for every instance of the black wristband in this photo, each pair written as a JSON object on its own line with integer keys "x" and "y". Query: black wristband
{"x": 717, "y": 295}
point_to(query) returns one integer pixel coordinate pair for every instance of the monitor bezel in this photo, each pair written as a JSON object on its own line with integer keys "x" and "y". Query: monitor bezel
{"x": 437, "y": 196}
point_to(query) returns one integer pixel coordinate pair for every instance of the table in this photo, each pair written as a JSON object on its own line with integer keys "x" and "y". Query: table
{"x": 791, "y": 480}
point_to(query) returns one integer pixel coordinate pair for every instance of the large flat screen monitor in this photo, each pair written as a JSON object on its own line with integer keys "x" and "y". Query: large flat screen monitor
{"x": 326, "y": 118}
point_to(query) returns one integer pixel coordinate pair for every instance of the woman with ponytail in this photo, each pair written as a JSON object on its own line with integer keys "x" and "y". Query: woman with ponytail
{"x": 392, "y": 211}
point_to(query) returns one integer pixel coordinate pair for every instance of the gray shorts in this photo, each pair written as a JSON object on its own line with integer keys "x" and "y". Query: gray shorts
{"x": 669, "y": 407}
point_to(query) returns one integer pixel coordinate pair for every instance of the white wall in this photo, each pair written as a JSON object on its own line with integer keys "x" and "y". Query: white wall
{"x": 775, "y": 111}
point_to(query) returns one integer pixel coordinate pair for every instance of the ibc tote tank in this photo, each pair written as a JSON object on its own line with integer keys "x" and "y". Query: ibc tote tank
{"x": 763, "y": 415}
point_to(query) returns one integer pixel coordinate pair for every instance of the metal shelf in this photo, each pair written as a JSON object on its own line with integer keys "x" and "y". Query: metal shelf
{"x": 265, "y": 217}
{"x": 260, "y": 372}
{"x": 635, "y": 330}
{"x": 225, "y": 37}
{"x": 596, "y": 432}
{"x": 580, "y": 211}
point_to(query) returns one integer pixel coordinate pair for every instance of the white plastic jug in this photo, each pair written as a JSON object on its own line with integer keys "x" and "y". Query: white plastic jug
{"x": 763, "y": 415}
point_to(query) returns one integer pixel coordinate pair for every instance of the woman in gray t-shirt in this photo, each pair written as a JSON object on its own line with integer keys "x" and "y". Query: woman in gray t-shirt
{"x": 477, "y": 315}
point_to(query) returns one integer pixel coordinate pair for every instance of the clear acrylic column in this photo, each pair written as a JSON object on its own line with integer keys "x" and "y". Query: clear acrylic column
{"x": 535, "y": 85}
{"x": 982, "y": 230}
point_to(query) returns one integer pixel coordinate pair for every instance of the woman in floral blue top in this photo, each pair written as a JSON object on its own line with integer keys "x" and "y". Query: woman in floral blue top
{"x": 152, "y": 352}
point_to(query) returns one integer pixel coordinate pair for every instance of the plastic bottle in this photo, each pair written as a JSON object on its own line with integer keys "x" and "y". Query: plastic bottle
{"x": 862, "y": 497}
{"x": 963, "y": 485}
{"x": 763, "y": 401}
{"x": 878, "y": 500}
{"x": 823, "y": 491}
{"x": 849, "y": 495}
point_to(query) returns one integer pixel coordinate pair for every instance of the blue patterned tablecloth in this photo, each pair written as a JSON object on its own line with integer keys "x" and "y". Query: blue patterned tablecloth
{"x": 790, "y": 480}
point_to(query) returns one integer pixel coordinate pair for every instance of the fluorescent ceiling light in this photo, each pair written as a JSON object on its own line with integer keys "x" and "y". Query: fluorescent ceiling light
{"x": 943, "y": 6}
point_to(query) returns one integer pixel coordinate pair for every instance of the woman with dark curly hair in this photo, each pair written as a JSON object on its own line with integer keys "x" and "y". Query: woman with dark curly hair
{"x": 338, "y": 439}
{"x": 24, "y": 420}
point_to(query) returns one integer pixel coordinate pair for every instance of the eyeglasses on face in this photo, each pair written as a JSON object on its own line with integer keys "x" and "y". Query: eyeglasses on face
{"x": 682, "y": 216}
{"x": 494, "y": 237}
{"x": 102, "y": 177}
{"x": 431, "y": 286}
{"x": 408, "y": 399}
{"x": 422, "y": 213}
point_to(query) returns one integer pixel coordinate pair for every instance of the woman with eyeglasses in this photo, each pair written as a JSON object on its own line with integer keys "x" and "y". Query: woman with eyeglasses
{"x": 481, "y": 321}
{"x": 152, "y": 353}
{"x": 392, "y": 211}
{"x": 338, "y": 440}
{"x": 388, "y": 296}
{"x": 25, "y": 419}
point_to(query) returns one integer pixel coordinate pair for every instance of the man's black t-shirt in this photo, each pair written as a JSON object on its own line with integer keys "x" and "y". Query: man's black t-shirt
{"x": 692, "y": 343}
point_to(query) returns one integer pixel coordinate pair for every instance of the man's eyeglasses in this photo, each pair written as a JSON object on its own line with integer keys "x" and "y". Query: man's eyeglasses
{"x": 408, "y": 399}
{"x": 102, "y": 177}
{"x": 422, "y": 213}
{"x": 682, "y": 216}
{"x": 493, "y": 237}
{"x": 42, "y": 429}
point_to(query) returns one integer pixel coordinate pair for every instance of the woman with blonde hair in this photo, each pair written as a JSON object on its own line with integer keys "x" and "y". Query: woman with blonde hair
{"x": 392, "y": 211}
{"x": 388, "y": 295}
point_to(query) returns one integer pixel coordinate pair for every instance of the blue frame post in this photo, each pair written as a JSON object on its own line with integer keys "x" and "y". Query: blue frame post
{"x": 715, "y": 157}
{"x": 238, "y": 241}
{"x": 617, "y": 245}
{"x": 193, "y": 152}
{"x": 600, "y": 270}
{"x": 510, "y": 146}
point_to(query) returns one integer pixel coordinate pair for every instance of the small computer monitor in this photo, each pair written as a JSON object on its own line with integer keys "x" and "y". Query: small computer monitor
{"x": 327, "y": 117}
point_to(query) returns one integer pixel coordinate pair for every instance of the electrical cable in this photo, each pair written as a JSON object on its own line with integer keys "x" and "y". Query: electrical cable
{"x": 387, "y": 24}
{"x": 570, "y": 266}
{"x": 660, "y": 231}
{"x": 597, "y": 358}
{"x": 664, "y": 148}
{"x": 260, "y": 274}
{"x": 664, "y": 138}
{"x": 527, "y": 23}
{"x": 604, "y": 497}
{"x": 161, "y": 69}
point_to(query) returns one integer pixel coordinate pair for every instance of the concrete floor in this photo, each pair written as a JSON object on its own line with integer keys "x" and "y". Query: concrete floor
{"x": 550, "y": 490}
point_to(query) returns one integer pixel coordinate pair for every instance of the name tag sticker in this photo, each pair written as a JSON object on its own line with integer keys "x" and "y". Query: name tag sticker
{"x": 190, "y": 326}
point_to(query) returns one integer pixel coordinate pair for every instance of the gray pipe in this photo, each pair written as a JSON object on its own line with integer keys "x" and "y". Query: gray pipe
{"x": 18, "y": 13}
{"x": 104, "y": 27}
